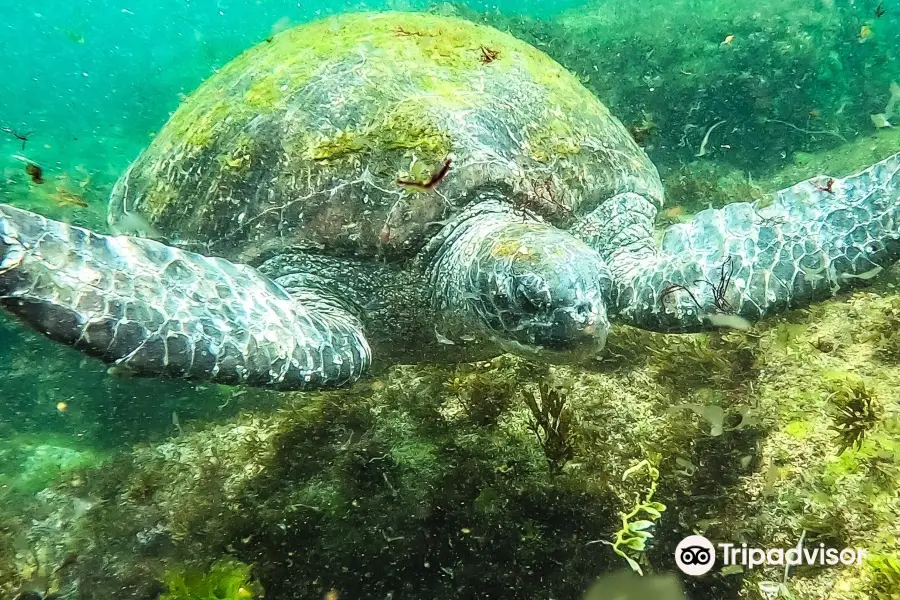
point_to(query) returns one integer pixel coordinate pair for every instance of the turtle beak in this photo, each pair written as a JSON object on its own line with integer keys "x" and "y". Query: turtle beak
{"x": 579, "y": 330}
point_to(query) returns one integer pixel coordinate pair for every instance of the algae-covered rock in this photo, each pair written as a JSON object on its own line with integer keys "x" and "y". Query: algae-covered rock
{"x": 410, "y": 486}
{"x": 443, "y": 481}
{"x": 28, "y": 464}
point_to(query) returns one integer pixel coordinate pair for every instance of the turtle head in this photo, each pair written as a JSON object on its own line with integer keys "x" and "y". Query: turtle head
{"x": 548, "y": 298}
{"x": 532, "y": 288}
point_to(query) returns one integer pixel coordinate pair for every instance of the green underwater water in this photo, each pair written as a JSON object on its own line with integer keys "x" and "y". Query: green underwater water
{"x": 500, "y": 479}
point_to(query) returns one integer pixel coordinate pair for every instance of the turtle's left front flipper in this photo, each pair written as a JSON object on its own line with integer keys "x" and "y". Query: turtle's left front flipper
{"x": 162, "y": 311}
{"x": 818, "y": 237}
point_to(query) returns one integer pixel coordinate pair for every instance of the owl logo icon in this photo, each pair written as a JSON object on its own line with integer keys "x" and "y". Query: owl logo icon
{"x": 695, "y": 555}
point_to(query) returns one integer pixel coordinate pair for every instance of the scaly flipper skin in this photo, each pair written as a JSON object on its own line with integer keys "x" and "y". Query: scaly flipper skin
{"x": 160, "y": 310}
{"x": 817, "y": 238}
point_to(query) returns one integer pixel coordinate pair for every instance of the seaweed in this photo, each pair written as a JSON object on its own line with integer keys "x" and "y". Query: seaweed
{"x": 884, "y": 576}
{"x": 855, "y": 411}
{"x": 632, "y": 539}
{"x": 727, "y": 361}
{"x": 552, "y": 424}
{"x": 227, "y": 579}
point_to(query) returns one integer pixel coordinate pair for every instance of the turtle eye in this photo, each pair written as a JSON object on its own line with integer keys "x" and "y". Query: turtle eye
{"x": 532, "y": 293}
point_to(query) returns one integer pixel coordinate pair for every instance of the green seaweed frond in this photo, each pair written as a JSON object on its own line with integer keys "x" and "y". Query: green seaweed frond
{"x": 227, "y": 579}
{"x": 884, "y": 577}
{"x": 631, "y": 540}
{"x": 551, "y": 423}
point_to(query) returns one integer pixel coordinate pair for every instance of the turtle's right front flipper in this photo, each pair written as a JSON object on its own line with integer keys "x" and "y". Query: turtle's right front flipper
{"x": 162, "y": 311}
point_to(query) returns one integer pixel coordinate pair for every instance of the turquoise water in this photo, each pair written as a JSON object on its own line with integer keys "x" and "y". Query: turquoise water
{"x": 489, "y": 477}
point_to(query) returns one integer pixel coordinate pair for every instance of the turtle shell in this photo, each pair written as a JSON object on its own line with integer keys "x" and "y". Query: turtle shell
{"x": 353, "y": 135}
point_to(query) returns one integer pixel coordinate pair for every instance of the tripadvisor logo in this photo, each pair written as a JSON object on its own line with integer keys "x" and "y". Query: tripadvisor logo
{"x": 696, "y": 555}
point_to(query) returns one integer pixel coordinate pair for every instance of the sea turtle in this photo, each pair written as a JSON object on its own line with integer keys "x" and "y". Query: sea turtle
{"x": 414, "y": 182}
